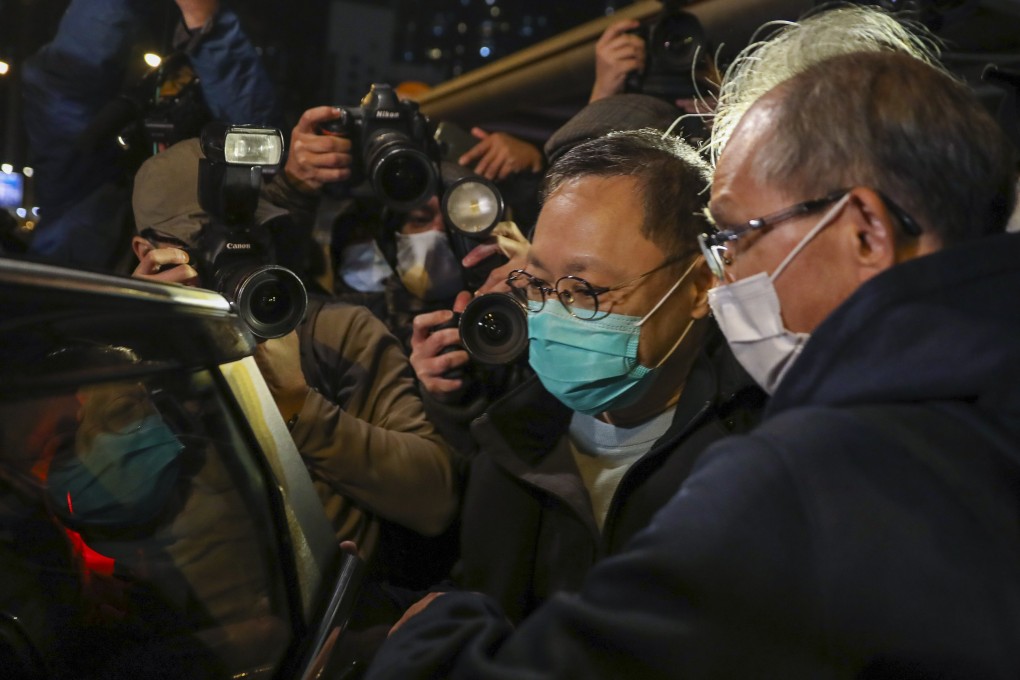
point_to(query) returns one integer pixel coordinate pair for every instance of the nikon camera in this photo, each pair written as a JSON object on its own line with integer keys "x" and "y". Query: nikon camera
{"x": 393, "y": 148}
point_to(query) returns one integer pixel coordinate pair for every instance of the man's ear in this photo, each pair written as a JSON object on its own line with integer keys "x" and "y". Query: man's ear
{"x": 703, "y": 280}
{"x": 141, "y": 247}
{"x": 874, "y": 232}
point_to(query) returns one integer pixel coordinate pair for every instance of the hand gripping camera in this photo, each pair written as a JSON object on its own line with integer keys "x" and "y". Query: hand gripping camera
{"x": 234, "y": 253}
{"x": 493, "y": 329}
{"x": 677, "y": 55}
{"x": 393, "y": 148}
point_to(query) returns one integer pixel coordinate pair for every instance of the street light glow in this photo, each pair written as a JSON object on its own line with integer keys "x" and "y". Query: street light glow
{"x": 4, "y": 68}
{"x": 152, "y": 60}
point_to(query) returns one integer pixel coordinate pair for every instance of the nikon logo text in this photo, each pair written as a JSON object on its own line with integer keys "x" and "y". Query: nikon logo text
{"x": 238, "y": 246}
{"x": 387, "y": 114}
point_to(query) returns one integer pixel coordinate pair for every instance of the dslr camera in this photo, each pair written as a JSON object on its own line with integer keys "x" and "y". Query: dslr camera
{"x": 393, "y": 148}
{"x": 676, "y": 56}
{"x": 493, "y": 329}
{"x": 234, "y": 255}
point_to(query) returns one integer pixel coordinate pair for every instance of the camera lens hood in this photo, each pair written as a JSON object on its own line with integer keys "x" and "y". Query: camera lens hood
{"x": 494, "y": 329}
{"x": 402, "y": 175}
{"x": 270, "y": 299}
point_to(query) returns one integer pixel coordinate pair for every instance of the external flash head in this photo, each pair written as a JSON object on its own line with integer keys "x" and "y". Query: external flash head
{"x": 230, "y": 174}
{"x": 242, "y": 144}
{"x": 471, "y": 204}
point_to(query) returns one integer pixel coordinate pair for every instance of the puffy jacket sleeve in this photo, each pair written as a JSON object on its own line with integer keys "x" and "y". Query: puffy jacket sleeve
{"x": 368, "y": 437}
{"x": 235, "y": 83}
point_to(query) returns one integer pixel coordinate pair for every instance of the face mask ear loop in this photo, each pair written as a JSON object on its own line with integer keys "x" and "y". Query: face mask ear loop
{"x": 822, "y": 224}
{"x": 665, "y": 297}
{"x": 676, "y": 344}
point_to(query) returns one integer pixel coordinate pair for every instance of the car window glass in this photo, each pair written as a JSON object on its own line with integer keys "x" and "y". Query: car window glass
{"x": 136, "y": 534}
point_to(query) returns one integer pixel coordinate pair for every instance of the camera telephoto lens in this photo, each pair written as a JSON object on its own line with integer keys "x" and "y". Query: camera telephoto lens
{"x": 494, "y": 329}
{"x": 270, "y": 299}
{"x": 401, "y": 174}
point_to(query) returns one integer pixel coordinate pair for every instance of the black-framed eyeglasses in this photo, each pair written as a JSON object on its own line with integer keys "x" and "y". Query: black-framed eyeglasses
{"x": 578, "y": 297}
{"x": 713, "y": 245}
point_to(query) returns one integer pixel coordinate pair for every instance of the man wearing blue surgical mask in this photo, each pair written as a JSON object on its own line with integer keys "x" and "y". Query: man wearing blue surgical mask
{"x": 633, "y": 379}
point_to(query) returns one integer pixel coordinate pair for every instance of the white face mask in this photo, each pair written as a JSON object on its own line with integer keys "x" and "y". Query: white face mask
{"x": 427, "y": 266}
{"x": 363, "y": 267}
{"x": 749, "y": 315}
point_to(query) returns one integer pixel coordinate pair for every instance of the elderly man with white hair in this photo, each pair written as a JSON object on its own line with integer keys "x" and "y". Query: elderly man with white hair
{"x": 870, "y": 526}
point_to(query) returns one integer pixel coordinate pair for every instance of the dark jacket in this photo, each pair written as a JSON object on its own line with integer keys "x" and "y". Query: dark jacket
{"x": 71, "y": 82}
{"x": 870, "y": 527}
{"x": 528, "y": 529}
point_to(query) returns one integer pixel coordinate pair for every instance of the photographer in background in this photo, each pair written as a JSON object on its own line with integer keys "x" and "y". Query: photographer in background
{"x": 619, "y": 52}
{"x": 341, "y": 381}
{"x": 668, "y": 57}
{"x": 391, "y": 248}
{"x": 83, "y": 178}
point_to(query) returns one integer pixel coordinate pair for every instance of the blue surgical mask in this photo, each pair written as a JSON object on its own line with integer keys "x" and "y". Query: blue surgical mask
{"x": 592, "y": 366}
{"x": 123, "y": 480}
{"x": 364, "y": 268}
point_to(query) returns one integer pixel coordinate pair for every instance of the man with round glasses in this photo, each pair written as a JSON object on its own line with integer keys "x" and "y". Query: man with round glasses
{"x": 870, "y": 526}
{"x": 632, "y": 380}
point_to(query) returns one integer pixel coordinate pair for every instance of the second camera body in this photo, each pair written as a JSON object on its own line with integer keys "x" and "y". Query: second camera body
{"x": 393, "y": 147}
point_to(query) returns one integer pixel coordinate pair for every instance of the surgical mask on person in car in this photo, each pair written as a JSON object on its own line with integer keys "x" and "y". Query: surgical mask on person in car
{"x": 749, "y": 315}
{"x": 591, "y": 366}
{"x": 427, "y": 266}
{"x": 124, "y": 479}
{"x": 363, "y": 267}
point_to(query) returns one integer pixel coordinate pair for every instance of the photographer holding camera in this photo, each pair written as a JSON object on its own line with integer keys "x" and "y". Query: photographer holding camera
{"x": 668, "y": 57}
{"x": 396, "y": 249}
{"x": 76, "y": 103}
{"x": 340, "y": 380}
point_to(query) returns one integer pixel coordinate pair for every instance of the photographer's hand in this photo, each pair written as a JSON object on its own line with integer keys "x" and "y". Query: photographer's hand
{"x": 279, "y": 361}
{"x": 506, "y": 239}
{"x": 167, "y": 265}
{"x": 617, "y": 53}
{"x": 499, "y": 155}
{"x": 316, "y": 159}
{"x": 427, "y": 359}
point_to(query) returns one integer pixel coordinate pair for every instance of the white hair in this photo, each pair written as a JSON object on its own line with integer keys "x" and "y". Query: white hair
{"x": 767, "y": 62}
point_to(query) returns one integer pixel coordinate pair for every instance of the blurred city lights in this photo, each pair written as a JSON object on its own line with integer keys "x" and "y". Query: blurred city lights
{"x": 152, "y": 60}
{"x": 4, "y": 68}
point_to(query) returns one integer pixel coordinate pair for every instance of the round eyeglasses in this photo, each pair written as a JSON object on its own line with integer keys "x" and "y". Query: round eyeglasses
{"x": 578, "y": 297}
